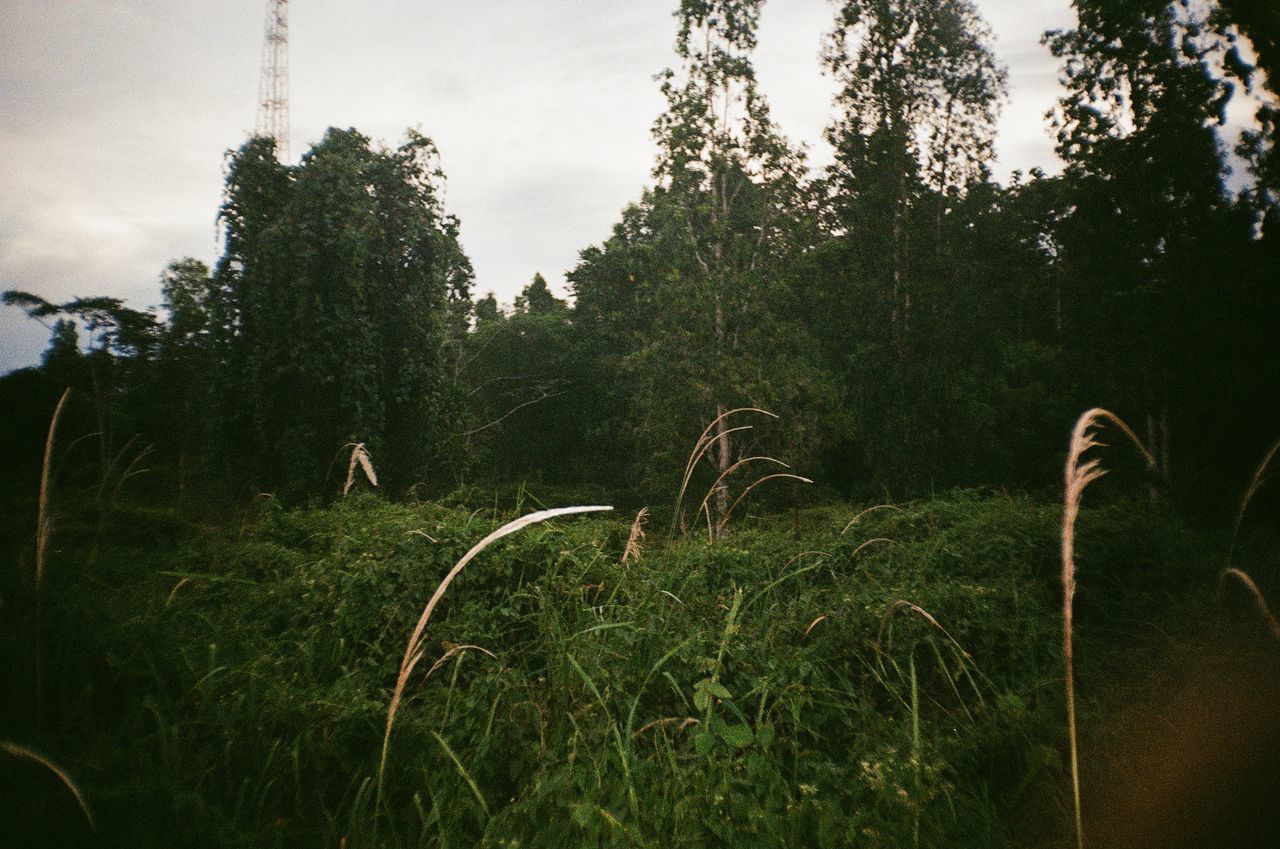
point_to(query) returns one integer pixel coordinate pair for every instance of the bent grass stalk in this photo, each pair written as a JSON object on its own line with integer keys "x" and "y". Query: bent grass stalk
{"x": 702, "y": 446}
{"x": 1255, "y": 594}
{"x": 454, "y": 651}
{"x": 44, "y": 528}
{"x": 414, "y": 650}
{"x": 1255, "y": 484}
{"x": 725, "y": 518}
{"x": 1078, "y": 474}
{"x": 23, "y": 752}
{"x": 706, "y": 499}
{"x": 359, "y": 455}
{"x": 858, "y": 517}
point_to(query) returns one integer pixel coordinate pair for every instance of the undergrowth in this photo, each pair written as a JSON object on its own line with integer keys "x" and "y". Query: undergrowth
{"x": 788, "y": 685}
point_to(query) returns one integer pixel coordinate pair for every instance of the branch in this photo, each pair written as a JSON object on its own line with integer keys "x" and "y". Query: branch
{"x": 511, "y": 412}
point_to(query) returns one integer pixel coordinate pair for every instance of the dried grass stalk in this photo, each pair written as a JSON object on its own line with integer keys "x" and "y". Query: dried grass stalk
{"x": 43, "y": 518}
{"x": 359, "y": 456}
{"x": 1259, "y": 600}
{"x": 1255, "y": 484}
{"x": 632, "y": 549}
{"x": 725, "y": 518}
{"x": 29, "y": 754}
{"x": 414, "y": 650}
{"x": 871, "y": 541}
{"x": 1077, "y": 475}
{"x": 44, "y": 529}
{"x": 702, "y": 446}
{"x": 903, "y": 604}
{"x": 444, "y": 658}
{"x": 720, "y": 481}
{"x": 858, "y": 517}
{"x": 685, "y": 722}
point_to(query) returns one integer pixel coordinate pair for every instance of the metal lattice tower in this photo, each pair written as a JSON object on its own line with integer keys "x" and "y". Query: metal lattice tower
{"x": 273, "y": 90}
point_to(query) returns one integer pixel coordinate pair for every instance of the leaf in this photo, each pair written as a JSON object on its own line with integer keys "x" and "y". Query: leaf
{"x": 718, "y": 690}
{"x": 703, "y": 742}
{"x": 701, "y": 699}
{"x": 738, "y": 736}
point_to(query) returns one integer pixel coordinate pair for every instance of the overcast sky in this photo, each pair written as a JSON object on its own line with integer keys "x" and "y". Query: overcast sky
{"x": 115, "y": 116}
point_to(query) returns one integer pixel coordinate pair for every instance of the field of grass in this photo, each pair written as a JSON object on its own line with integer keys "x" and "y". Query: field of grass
{"x": 895, "y": 684}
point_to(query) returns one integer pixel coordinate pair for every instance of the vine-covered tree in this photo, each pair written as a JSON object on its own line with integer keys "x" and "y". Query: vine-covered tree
{"x": 344, "y": 278}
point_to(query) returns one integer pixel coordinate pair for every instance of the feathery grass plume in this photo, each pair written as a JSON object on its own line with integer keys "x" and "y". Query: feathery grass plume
{"x": 632, "y": 549}
{"x": 1255, "y": 594}
{"x": 856, "y": 518}
{"x": 359, "y": 454}
{"x": 44, "y": 528}
{"x": 414, "y": 650}
{"x": 23, "y": 752}
{"x": 1259, "y": 478}
{"x": 43, "y": 519}
{"x": 1077, "y": 475}
{"x": 702, "y": 446}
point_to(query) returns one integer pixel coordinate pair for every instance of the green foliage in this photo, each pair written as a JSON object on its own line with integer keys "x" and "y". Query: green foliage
{"x": 233, "y": 689}
{"x": 343, "y": 277}
{"x": 526, "y": 379}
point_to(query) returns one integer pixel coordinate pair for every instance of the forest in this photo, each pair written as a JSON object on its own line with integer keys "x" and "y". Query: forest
{"x": 792, "y": 556}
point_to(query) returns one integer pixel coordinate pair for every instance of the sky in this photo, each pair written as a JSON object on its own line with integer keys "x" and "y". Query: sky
{"x": 116, "y": 115}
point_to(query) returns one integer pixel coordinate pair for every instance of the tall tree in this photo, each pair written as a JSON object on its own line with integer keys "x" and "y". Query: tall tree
{"x": 919, "y": 94}
{"x": 728, "y": 209}
{"x": 1153, "y": 240}
{"x": 918, "y": 99}
{"x": 345, "y": 277}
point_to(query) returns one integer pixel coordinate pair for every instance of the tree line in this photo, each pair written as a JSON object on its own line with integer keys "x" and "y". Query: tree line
{"x": 911, "y": 323}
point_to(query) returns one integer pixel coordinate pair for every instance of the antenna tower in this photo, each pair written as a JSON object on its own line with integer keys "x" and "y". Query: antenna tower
{"x": 273, "y": 90}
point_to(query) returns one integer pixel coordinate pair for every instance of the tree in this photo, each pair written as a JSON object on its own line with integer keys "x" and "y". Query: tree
{"x": 537, "y": 298}
{"x": 523, "y": 381}
{"x": 1153, "y": 241}
{"x": 711, "y": 321}
{"x": 344, "y": 280}
{"x": 919, "y": 94}
{"x": 918, "y": 99}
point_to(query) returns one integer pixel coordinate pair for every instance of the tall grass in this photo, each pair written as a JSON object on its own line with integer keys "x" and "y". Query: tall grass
{"x": 700, "y": 448}
{"x": 23, "y": 752}
{"x": 414, "y": 649}
{"x": 44, "y": 529}
{"x": 1077, "y": 475}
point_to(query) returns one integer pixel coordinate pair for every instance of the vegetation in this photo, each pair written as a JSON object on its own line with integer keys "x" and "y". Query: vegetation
{"x": 847, "y": 579}
{"x": 791, "y": 685}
